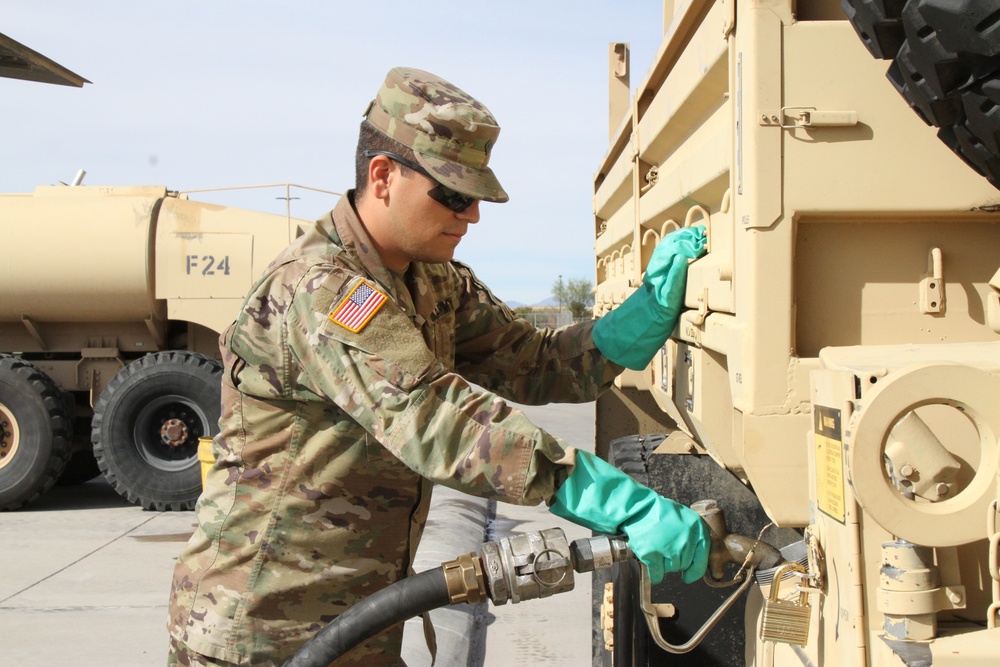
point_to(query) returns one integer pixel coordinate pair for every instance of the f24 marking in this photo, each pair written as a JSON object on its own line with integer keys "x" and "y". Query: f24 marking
{"x": 207, "y": 265}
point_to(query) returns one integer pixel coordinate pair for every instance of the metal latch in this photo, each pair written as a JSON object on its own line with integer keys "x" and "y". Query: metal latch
{"x": 811, "y": 117}
{"x": 932, "y": 284}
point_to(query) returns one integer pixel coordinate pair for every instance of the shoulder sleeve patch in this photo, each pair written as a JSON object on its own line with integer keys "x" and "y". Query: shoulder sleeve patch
{"x": 358, "y": 308}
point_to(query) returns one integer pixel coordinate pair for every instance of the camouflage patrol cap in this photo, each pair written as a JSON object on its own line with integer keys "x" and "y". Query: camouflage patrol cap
{"x": 451, "y": 133}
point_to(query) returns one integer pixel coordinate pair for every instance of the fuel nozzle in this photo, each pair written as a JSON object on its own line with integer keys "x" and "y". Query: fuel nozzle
{"x": 536, "y": 565}
{"x": 729, "y": 547}
{"x": 726, "y": 547}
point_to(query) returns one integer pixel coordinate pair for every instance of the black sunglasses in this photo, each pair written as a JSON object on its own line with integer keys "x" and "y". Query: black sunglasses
{"x": 454, "y": 201}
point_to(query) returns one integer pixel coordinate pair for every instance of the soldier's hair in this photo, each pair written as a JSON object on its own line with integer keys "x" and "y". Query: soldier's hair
{"x": 370, "y": 139}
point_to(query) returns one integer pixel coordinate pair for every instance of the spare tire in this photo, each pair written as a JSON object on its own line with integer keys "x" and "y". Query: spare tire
{"x": 946, "y": 64}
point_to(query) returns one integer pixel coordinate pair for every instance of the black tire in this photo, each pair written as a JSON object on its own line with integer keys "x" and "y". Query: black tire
{"x": 143, "y": 461}
{"x": 34, "y": 438}
{"x": 946, "y": 65}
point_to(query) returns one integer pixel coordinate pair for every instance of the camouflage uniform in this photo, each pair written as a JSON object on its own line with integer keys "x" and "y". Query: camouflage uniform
{"x": 330, "y": 438}
{"x": 345, "y": 396}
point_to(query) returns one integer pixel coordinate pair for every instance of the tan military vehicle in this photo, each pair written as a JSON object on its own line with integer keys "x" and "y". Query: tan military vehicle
{"x": 111, "y": 303}
{"x": 837, "y": 370}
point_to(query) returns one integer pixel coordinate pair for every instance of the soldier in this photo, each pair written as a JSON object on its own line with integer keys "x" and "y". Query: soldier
{"x": 347, "y": 394}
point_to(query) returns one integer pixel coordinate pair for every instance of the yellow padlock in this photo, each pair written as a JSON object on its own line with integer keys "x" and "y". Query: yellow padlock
{"x": 784, "y": 620}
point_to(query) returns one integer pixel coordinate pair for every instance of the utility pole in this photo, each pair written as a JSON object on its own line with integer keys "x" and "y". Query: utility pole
{"x": 288, "y": 201}
{"x": 560, "y": 299}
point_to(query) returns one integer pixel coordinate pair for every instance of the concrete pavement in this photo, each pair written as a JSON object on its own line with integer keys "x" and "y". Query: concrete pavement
{"x": 554, "y": 632}
{"x": 86, "y": 577}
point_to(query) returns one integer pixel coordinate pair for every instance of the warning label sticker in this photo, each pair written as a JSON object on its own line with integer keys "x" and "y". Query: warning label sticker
{"x": 829, "y": 462}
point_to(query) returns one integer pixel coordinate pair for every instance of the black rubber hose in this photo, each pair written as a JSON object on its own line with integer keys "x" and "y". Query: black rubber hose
{"x": 381, "y": 610}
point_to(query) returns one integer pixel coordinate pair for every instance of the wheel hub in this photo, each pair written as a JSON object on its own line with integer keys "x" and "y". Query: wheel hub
{"x": 174, "y": 432}
{"x": 9, "y": 436}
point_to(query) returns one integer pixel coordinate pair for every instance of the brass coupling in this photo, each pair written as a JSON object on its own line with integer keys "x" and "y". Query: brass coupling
{"x": 464, "y": 578}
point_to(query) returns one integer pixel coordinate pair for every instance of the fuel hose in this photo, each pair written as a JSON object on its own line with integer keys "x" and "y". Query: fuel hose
{"x": 383, "y": 609}
{"x": 520, "y": 567}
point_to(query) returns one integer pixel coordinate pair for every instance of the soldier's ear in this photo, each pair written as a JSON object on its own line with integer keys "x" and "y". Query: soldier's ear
{"x": 380, "y": 169}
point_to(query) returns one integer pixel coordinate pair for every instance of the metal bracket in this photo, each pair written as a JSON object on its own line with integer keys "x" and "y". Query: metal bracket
{"x": 810, "y": 118}
{"x": 932, "y": 284}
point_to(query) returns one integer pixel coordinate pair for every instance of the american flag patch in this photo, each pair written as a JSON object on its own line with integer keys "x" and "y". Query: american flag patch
{"x": 358, "y": 308}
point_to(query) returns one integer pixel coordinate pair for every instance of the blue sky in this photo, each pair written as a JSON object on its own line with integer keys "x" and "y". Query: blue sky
{"x": 194, "y": 95}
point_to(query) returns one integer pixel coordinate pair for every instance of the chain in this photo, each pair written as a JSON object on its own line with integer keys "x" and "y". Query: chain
{"x": 746, "y": 561}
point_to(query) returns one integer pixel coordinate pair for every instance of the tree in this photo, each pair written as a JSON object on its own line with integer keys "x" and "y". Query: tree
{"x": 575, "y": 294}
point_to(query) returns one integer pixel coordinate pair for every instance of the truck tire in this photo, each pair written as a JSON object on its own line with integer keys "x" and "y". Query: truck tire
{"x": 946, "y": 65}
{"x": 147, "y": 423}
{"x": 34, "y": 439}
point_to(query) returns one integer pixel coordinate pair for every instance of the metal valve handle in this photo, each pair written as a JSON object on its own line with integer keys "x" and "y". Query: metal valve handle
{"x": 653, "y": 619}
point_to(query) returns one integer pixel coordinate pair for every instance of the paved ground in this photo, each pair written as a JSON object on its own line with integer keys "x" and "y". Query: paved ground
{"x": 554, "y": 632}
{"x": 85, "y": 579}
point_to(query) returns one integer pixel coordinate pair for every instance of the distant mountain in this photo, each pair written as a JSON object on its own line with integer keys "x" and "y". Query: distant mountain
{"x": 544, "y": 303}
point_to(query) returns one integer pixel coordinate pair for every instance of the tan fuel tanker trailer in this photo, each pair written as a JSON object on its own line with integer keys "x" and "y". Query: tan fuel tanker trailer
{"x": 835, "y": 380}
{"x": 111, "y": 303}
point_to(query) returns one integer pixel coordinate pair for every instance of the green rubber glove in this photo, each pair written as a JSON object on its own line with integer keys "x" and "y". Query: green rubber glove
{"x": 663, "y": 534}
{"x": 631, "y": 334}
